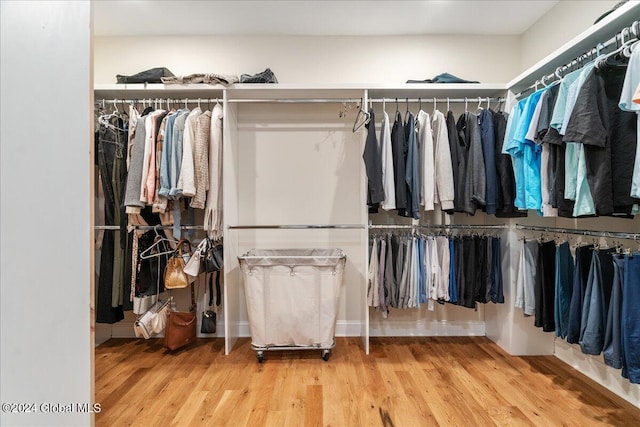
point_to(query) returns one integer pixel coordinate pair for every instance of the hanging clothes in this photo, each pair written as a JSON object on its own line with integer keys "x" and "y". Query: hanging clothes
{"x": 505, "y": 207}
{"x": 609, "y": 137}
{"x": 399, "y": 163}
{"x": 445, "y": 183}
{"x": 213, "y": 207}
{"x": 373, "y": 164}
{"x": 612, "y": 350}
{"x": 630, "y": 318}
{"x": 596, "y": 302}
{"x": 407, "y": 271}
{"x": 545, "y": 287}
{"x": 630, "y": 102}
{"x": 563, "y": 287}
{"x": 426, "y": 166}
{"x": 580, "y": 277}
{"x": 388, "y": 175}
{"x": 412, "y": 171}
{"x": 111, "y": 141}
{"x": 471, "y": 178}
{"x": 488, "y": 151}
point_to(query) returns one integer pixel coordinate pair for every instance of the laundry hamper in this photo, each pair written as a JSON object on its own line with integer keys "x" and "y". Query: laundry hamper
{"x": 292, "y": 298}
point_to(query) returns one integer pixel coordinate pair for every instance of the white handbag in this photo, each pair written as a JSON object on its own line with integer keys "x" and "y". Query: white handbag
{"x": 154, "y": 321}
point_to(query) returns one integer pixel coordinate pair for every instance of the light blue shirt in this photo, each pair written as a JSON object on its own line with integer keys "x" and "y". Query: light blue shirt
{"x": 525, "y": 155}
{"x": 631, "y": 83}
{"x": 165, "y": 184}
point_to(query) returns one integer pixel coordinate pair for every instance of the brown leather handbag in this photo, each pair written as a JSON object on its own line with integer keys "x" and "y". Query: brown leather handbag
{"x": 181, "y": 327}
{"x": 174, "y": 275}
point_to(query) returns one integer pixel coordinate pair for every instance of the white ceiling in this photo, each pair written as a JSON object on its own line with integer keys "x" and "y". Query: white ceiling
{"x": 343, "y": 17}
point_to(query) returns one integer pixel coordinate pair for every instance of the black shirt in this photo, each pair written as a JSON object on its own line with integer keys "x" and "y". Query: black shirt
{"x": 373, "y": 163}
{"x": 505, "y": 207}
{"x": 609, "y": 138}
{"x": 399, "y": 158}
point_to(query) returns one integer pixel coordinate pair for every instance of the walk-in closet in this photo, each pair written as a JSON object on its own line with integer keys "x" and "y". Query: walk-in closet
{"x": 347, "y": 213}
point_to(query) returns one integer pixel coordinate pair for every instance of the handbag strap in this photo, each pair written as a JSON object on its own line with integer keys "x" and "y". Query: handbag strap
{"x": 210, "y": 289}
{"x": 218, "y": 293}
{"x": 193, "y": 298}
{"x": 181, "y": 243}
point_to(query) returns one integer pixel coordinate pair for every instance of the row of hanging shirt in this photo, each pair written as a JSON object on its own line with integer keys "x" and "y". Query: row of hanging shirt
{"x": 408, "y": 270}
{"x": 426, "y": 160}
{"x": 174, "y": 165}
{"x": 574, "y": 143}
{"x": 585, "y": 294}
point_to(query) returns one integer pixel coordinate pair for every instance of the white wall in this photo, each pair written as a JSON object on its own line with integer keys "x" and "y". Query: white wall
{"x": 319, "y": 60}
{"x": 45, "y": 188}
{"x": 564, "y": 21}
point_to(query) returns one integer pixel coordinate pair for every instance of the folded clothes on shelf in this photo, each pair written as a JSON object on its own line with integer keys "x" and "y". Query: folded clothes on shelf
{"x": 267, "y": 76}
{"x": 443, "y": 78}
{"x": 152, "y": 75}
{"x": 211, "y": 78}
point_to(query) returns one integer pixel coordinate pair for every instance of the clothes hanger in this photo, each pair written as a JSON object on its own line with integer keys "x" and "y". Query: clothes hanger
{"x": 406, "y": 114}
{"x": 479, "y": 109}
{"x": 466, "y": 109}
{"x": 435, "y": 105}
{"x": 617, "y": 58}
{"x": 448, "y": 107}
{"x": 148, "y": 253}
{"x": 362, "y": 118}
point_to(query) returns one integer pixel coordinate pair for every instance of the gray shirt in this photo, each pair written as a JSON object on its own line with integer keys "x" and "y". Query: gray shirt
{"x": 134, "y": 177}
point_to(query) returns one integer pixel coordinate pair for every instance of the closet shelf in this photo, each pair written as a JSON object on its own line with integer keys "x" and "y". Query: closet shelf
{"x": 286, "y": 90}
{"x": 588, "y": 39}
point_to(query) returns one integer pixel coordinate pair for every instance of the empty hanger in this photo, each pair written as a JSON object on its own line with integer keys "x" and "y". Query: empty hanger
{"x": 362, "y": 118}
{"x": 149, "y": 252}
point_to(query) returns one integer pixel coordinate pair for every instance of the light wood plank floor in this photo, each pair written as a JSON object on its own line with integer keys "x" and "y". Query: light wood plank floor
{"x": 403, "y": 382}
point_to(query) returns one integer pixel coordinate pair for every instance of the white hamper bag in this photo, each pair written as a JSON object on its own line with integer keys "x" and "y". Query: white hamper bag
{"x": 292, "y": 296}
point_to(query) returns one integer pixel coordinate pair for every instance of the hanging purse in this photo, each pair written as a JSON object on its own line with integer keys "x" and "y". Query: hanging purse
{"x": 174, "y": 274}
{"x": 208, "y": 325}
{"x": 181, "y": 327}
{"x": 154, "y": 321}
{"x": 212, "y": 259}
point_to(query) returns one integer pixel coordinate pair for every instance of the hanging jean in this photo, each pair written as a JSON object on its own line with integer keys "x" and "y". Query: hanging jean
{"x": 497, "y": 287}
{"x": 563, "y": 288}
{"x": 548, "y": 261}
{"x": 460, "y": 270}
{"x": 453, "y": 285}
{"x": 111, "y": 147}
{"x": 613, "y": 335}
{"x": 596, "y": 303}
{"x": 631, "y": 319}
{"x": 581, "y": 273}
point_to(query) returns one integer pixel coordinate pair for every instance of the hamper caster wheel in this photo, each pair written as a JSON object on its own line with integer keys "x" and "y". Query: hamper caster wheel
{"x": 325, "y": 355}
{"x": 260, "y": 358}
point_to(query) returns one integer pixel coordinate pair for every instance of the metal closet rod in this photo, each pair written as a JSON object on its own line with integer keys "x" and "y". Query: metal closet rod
{"x": 438, "y": 226}
{"x": 149, "y": 227}
{"x": 294, "y": 100}
{"x": 634, "y": 29}
{"x": 156, "y": 100}
{"x": 595, "y": 233}
{"x": 358, "y": 100}
{"x": 296, "y": 227}
{"x": 441, "y": 100}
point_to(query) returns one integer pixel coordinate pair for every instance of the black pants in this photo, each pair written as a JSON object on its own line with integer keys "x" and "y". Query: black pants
{"x": 111, "y": 150}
